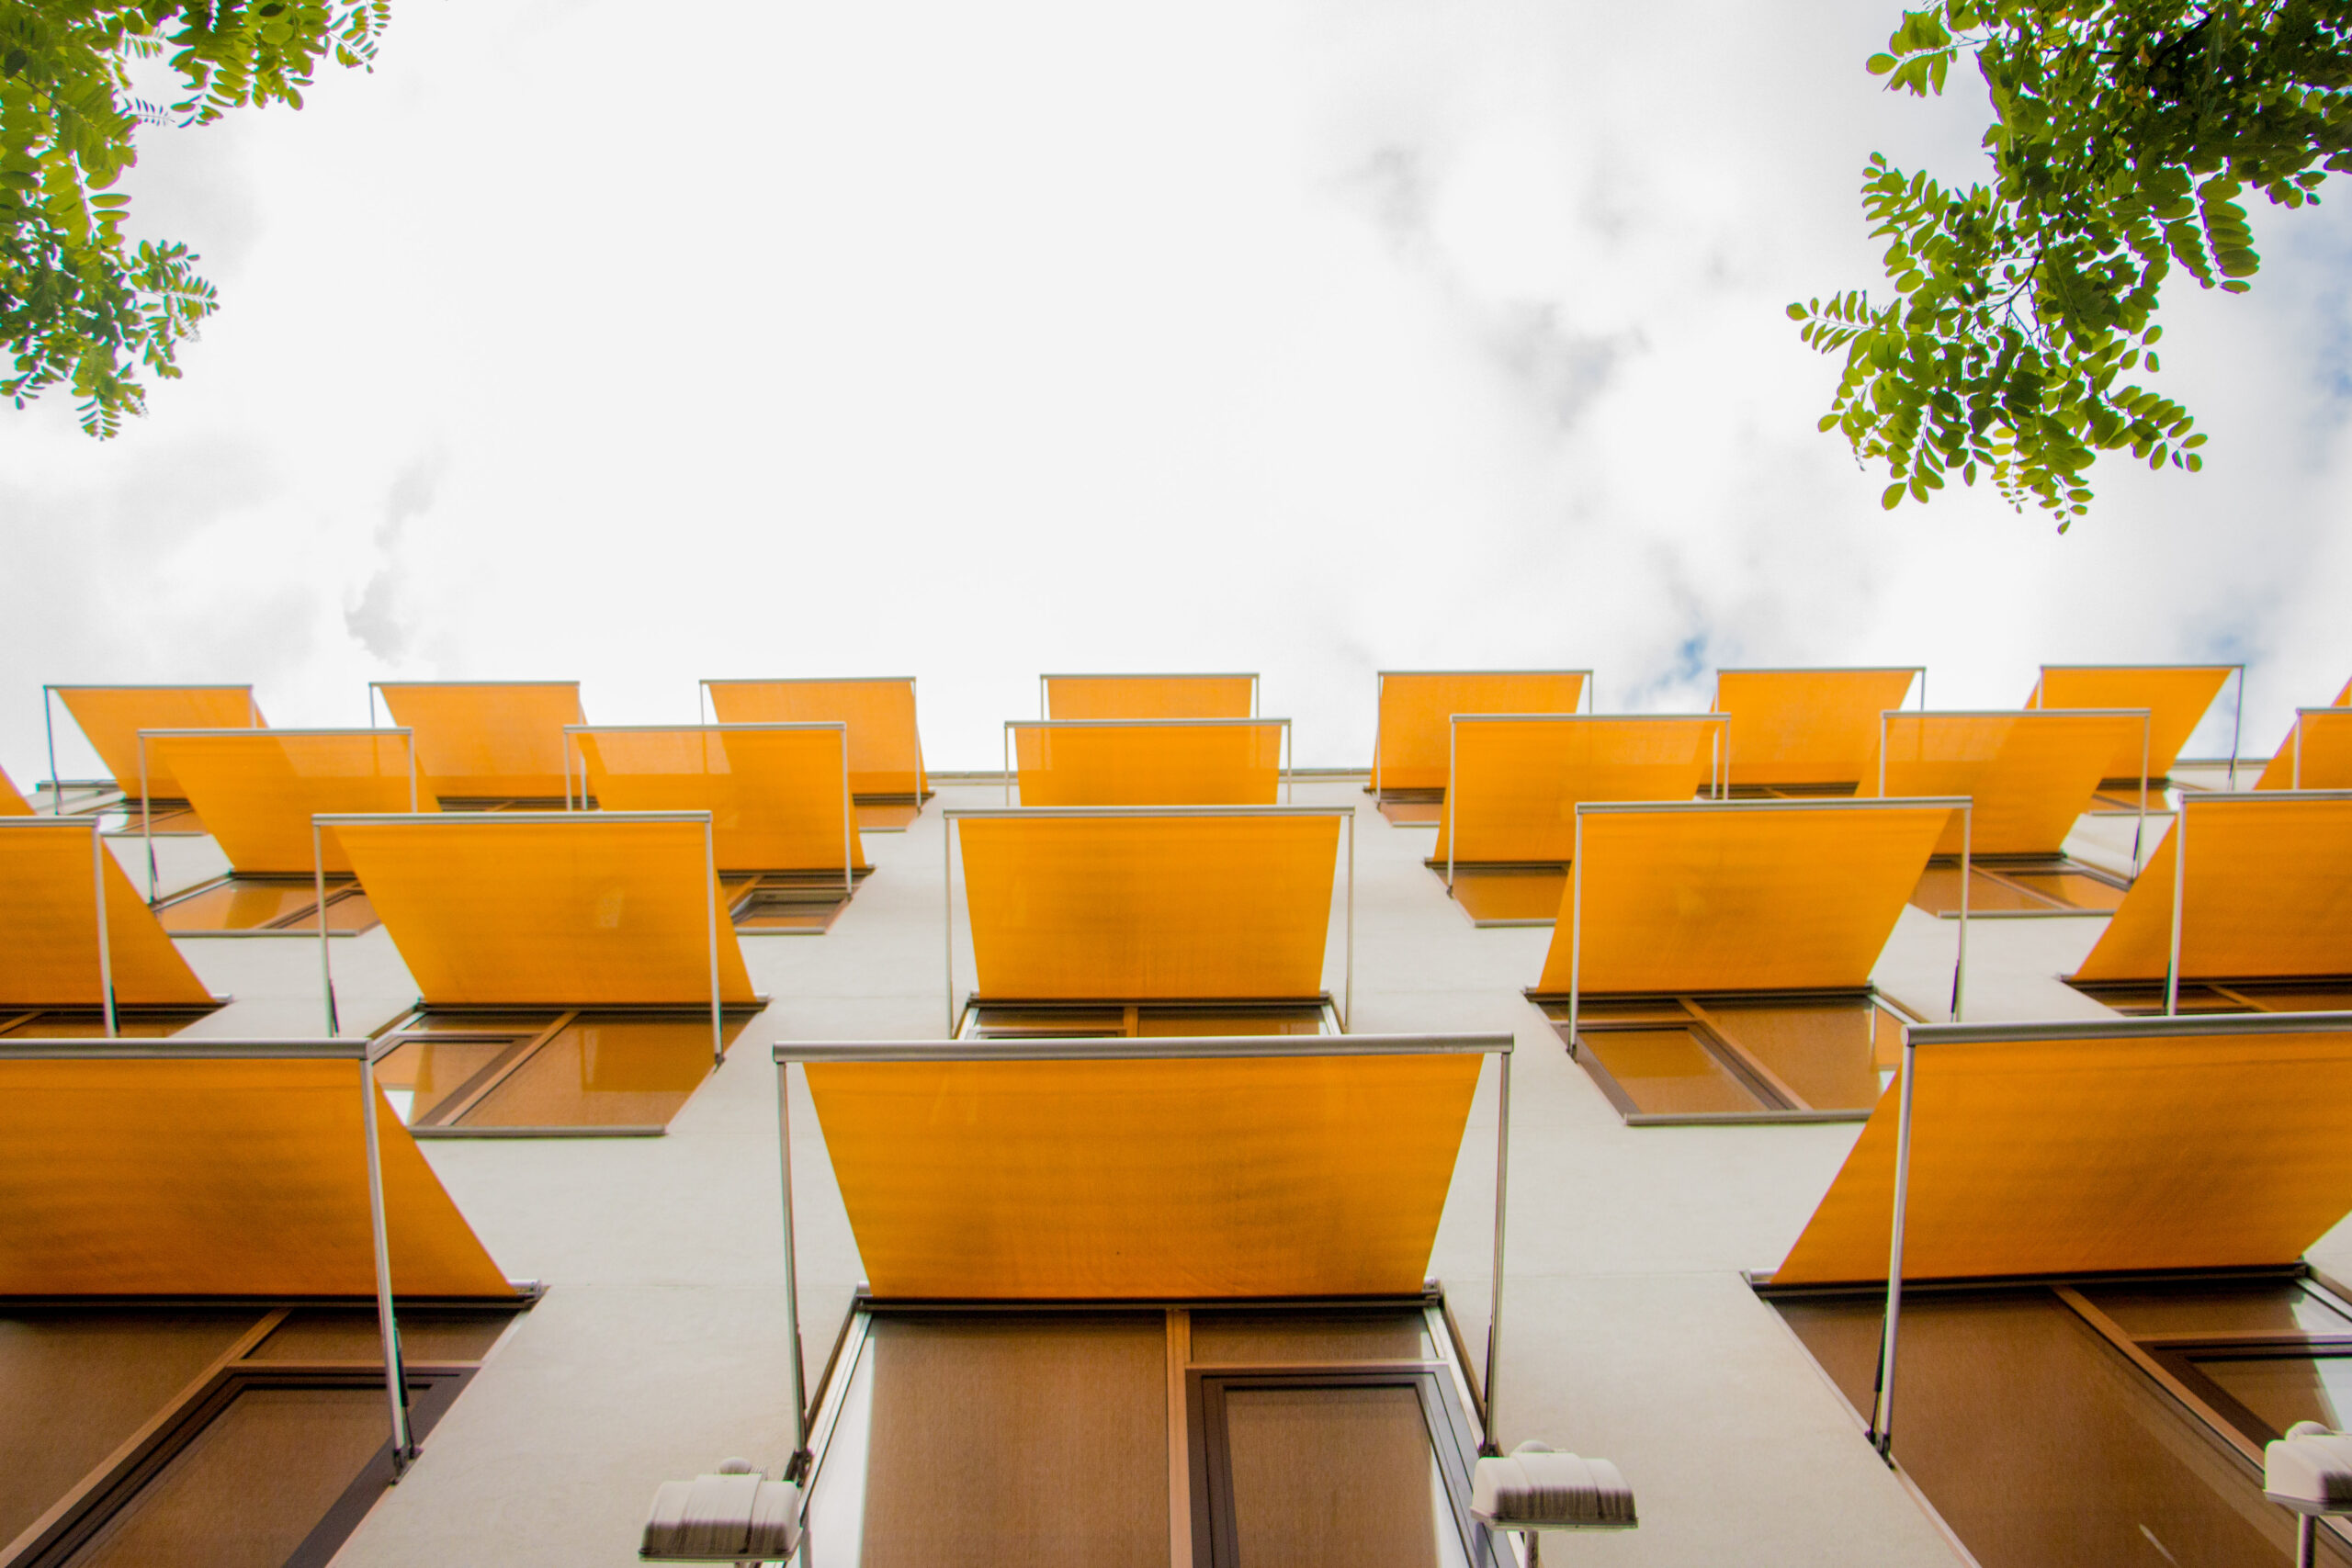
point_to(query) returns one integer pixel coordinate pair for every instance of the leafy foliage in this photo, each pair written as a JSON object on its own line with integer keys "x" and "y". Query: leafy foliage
{"x": 81, "y": 306}
{"x": 2128, "y": 130}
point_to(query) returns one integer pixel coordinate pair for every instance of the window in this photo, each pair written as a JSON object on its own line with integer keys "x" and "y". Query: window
{"x": 235, "y": 1434}
{"x": 90, "y": 1023}
{"x": 2145, "y": 999}
{"x": 1807, "y": 1055}
{"x": 464, "y": 1074}
{"x": 2024, "y": 885}
{"x": 2099, "y": 1421}
{"x": 266, "y": 905}
{"x": 1034, "y": 1020}
{"x": 786, "y": 903}
{"x": 1146, "y": 1433}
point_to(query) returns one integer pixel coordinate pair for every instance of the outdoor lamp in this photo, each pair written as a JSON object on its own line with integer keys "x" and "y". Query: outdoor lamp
{"x": 736, "y": 1516}
{"x": 2310, "y": 1471}
{"x": 1533, "y": 1488}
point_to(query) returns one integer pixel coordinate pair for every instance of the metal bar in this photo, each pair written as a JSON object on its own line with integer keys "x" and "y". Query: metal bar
{"x": 1495, "y": 1305}
{"x": 798, "y": 1464}
{"x": 1960, "y": 961}
{"x": 49, "y": 728}
{"x": 947, "y": 900}
{"x": 1347, "y": 1012}
{"x": 1252, "y": 719}
{"x": 1923, "y": 688}
{"x": 1007, "y": 759}
{"x": 1043, "y": 711}
{"x": 1379, "y": 698}
{"x": 327, "y": 944}
{"x": 1933, "y": 1034}
{"x": 106, "y": 950}
{"x": 395, "y": 1380}
{"x": 371, "y": 705}
{"x": 702, "y": 700}
{"x": 1453, "y": 756}
{"x": 1841, "y": 802}
{"x": 1256, "y": 680}
{"x": 1290, "y": 764}
{"x": 1882, "y": 1408}
{"x": 182, "y": 1049}
{"x": 1032, "y": 813}
{"x": 2238, "y": 728}
{"x": 710, "y": 872}
{"x": 146, "y": 820}
{"x": 2179, "y": 886}
{"x": 1108, "y": 1048}
{"x": 1576, "y": 924}
{"x": 463, "y": 818}
{"x": 2140, "y": 829}
{"x": 849, "y": 822}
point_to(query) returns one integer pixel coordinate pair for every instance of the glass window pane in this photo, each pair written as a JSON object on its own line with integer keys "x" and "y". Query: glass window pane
{"x": 2070, "y": 889}
{"x": 320, "y": 1334}
{"x": 618, "y": 1072}
{"x": 1339, "y": 1477}
{"x": 2283, "y": 1390}
{"x": 1515, "y": 895}
{"x": 1297, "y": 1339}
{"x": 252, "y": 1486}
{"x": 1031, "y": 1439}
{"x": 95, "y": 1377}
{"x": 1666, "y": 1072}
{"x": 2274, "y": 1306}
{"x": 1177, "y": 1022}
{"x": 421, "y": 1076}
{"x": 1823, "y": 1052}
{"x": 236, "y": 906}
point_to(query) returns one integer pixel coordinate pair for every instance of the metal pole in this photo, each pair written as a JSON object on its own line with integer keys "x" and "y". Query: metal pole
{"x": 371, "y": 705}
{"x": 48, "y": 727}
{"x": 849, "y": 818}
{"x": 1008, "y": 763}
{"x": 395, "y": 1381}
{"x": 146, "y": 820}
{"x": 1493, "y": 1444}
{"x": 711, "y": 870}
{"x": 791, "y": 1278}
{"x": 106, "y": 951}
{"x": 1960, "y": 961}
{"x": 947, "y": 902}
{"x": 1883, "y": 1410}
{"x": 1379, "y": 701}
{"x": 1043, "y": 712}
{"x": 1348, "y": 1014}
{"x": 702, "y": 698}
{"x": 326, "y": 948}
{"x": 1576, "y": 924}
{"x": 2180, "y": 882}
{"x": 2139, "y": 830}
{"x": 1254, "y": 696}
{"x": 1290, "y": 766}
{"x": 1453, "y": 755}
{"x": 2238, "y": 728}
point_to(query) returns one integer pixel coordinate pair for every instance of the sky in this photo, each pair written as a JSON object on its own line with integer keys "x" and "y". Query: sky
{"x": 1312, "y": 337}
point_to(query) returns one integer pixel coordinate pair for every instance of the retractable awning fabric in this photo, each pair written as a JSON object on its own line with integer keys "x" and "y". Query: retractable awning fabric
{"x": 112, "y": 717}
{"x": 1150, "y": 696}
{"x": 2176, "y": 696}
{"x": 1204, "y": 1178}
{"x": 257, "y": 790}
{"x": 2316, "y": 754}
{"x": 1741, "y": 895}
{"x": 215, "y": 1177}
{"x": 1143, "y": 908}
{"x": 1149, "y": 762}
{"x": 779, "y": 794}
{"x": 885, "y": 749}
{"x": 2029, "y": 775}
{"x": 1807, "y": 727}
{"x": 2126, "y": 1144}
{"x": 1416, "y": 707}
{"x": 2267, "y": 892}
{"x": 49, "y": 924}
{"x": 490, "y": 739}
{"x": 12, "y": 802}
{"x": 578, "y": 909}
{"x": 1517, "y": 780}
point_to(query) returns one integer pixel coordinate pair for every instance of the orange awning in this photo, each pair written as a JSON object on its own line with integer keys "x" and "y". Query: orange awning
{"x": 2176, "y": 697}
{"x": 1143, "y": 908}
{"x": 112, "y": 717}
{"x": 2316, "y": 754}
{"x": 490, "y": 739}
{"x": 1517, "y": 780}
{"x": 1416, "y": 706}
{"x": 546, "y": 909}
{"x": 779, "y": 794}
{"x": 1149, "y": 762}
{"x": 12, "y": 804}
{"x": 885, "y": 751}
{"x": 2268, "y": 893}
{"x": 49, "y": 927}
{"x": 2029, "y": 775}
{"x": 2136, "y": 1144}
{"x": 257, "y": 790}
{"x": 1741, "y": 895}
{"x": 1200, "y": 1177}
{"x": 215, "y": 1177}
{"x": 1151, "y": 696}
{"x": 1807, "y": 726}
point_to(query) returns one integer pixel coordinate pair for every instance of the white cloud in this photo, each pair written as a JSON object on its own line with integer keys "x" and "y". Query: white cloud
{"x": 1300, "y": 336}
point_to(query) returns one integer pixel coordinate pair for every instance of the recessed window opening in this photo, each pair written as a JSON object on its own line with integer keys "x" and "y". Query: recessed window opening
{"x": 607, "y": 1072}
{"x": 1731, "y": 1058}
